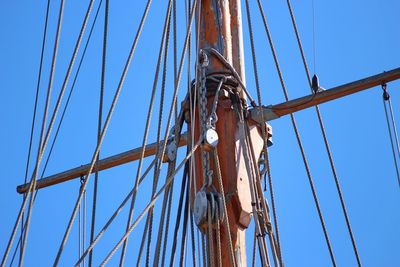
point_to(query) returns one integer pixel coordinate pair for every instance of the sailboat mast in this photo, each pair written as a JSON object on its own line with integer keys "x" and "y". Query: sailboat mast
{"x": 220, "y": 28}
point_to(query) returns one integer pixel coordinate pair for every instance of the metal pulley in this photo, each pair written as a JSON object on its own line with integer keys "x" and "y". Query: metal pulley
{"x": 200, "y": 208}
{"x": 207, "y": 200}
{"x": 171, "y": 150}
{"x": 210, "y": 139}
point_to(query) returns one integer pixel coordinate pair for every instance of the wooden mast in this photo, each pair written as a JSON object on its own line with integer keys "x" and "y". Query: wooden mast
{"x": 220, "y": 29}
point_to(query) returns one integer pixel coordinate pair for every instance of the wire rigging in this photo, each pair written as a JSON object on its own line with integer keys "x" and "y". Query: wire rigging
{"x": 296, "y": 131}
{"x": 147, "y": 127}
{"x": 265, "y": 146}
{"x": 387, "y": 104}
{"x": 64, "y": 112}
{"x": 327, "y": 147}
{"x": 109, "y": 115}
{"x": 99, "y": 123}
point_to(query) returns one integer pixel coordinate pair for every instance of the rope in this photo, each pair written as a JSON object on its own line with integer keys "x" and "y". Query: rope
{"x": 41, "y": 142}
{"x": 70, "y": 92}
{"x": 185, "y": 221}
{"x": 147, "y": 127}
{"x": 171, "y": 165}
{"x": 113, "y": 216}
{"x": 34, "y": 114}
{"x": 210, "y": 239}
{"x": 296, "y": 131}
{"x": 167, "y": 226}
{"x": 178, "y": 216}
{"x": 265, "y": 146}
{"x": 222, "y": 191}
{"x": 386, "y": 98}
{"x": 164, "y": 209}
{"x": 218, "y": 231}
{"x": 324, "y": 134}
{"x": 167, "y": 128}
{"x": 109, "y": 115}
{"x": 233, "y": 72}
{"x": 193, "y": 239}
{"x": 150, "y": 204}
{"x": 100, "y": 120}
{"x": 64, "y": 111}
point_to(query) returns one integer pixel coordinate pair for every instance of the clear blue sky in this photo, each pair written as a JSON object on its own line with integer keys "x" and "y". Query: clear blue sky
{"x": 354, "y": 39}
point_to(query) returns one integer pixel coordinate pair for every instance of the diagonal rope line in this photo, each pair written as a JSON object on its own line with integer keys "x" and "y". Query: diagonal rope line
{"x": 147, "y": 127}
{"x": 109, "y": 115}
{"x": 34, "y": 115}
{"x": 33, "y": 179}
{"x": 328, "y": 150}
{"x": 310, "y": 180}
{"x": 113, "y": 216}
{"x": 43, "y": 143}
{"x": 151, "y": 203}
{"x": 391, "y": 141}
{"x": 265, "y": 146}
{"x": 64, "y": 111}
{"x": 100, "y": 120}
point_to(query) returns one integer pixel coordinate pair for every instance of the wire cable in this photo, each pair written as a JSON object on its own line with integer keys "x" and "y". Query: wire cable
{"x": 100, "y": 120}
{"x": 109, "y": 115}
{"x": 328, "y": 150}
{"x": 297, "y": 134}
{"x": 386, "y": 98}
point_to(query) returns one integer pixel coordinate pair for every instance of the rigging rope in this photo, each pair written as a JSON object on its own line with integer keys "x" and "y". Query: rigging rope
{"x": 391, "y": 128}
{"x": 64, "y": 112}
{"x": 113, "y": 216}
{"x": 34, "y": 116}
{"x": 178, "y": 216}
{"x": 171, "y": 165}
{"x": 147, "y": 127}
{"x": 99, "y": 123}
{"x": 151, "y": 203}
{"x": 328, "y": 150}
{"x": 109, "y": 115}
{"x": 296, "y": 131}
{"x": 265, "y": 138}
{"x": 42, "y": 142}
{"x": 188, "y": 31}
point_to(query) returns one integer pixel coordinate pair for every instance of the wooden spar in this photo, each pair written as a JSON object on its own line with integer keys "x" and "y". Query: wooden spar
{"x": 103, "y": 164}
{"x": 270, "y": 113}
{"x": 279, "y": 110}
{"x": 220, "y": 28}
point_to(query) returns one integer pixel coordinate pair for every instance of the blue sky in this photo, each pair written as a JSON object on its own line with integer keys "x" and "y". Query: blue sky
{"x": 354, "y": 39}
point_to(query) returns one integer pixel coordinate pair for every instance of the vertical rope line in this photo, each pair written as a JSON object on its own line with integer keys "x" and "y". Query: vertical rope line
{"x": 178, "y": 217}
{"x": 145, "y": 135}
{"x": 265, "y": 146}
{"x": 171, "y": 165}
{"x": 63, "y": 113}
{"x": 158, "y": 164}
{"x": 42, "y": 137}
{"x": 394, "y": 127}
{"x": 151, "y": 203}
{"x": 328, "y": 150}
{"x": 222, "y": 191}
{"x": 109, "y": 115}
{"x": 392, "y": 143}
{"x": 193, "y": 239}
{"x": 113, "y": 216}
{"x": 297, "y": 133}
{"x": 100, "y": 120}
{"x": 34, "y": 112}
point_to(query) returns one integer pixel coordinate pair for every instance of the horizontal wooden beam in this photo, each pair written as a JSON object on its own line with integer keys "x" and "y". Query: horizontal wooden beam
{"x": 103, "y": 164}
{"x": 275, "y": 111}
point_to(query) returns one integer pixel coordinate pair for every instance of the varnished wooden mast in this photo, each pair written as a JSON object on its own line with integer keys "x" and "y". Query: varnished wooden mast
{"x": 220, "y": 28}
